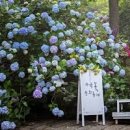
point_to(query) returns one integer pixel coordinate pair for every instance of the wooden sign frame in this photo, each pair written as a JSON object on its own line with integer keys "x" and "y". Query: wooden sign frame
{"x": 80, "y": 103}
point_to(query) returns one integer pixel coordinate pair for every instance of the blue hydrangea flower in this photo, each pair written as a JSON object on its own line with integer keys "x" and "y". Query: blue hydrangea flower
{"x": 55, "y": 77}
{"x": 102, "y": 44}
{"x": 93, "y": 25}
{"x": 11, "y": 11}
{"x": 95, "y": 54}
{"x": 16, "y": 45}
{"x": 21, "y": 74}
{"x": 117, "y": 46}
{"x": 69, "y": 32}
{"x": 60, "y": 26}
{"x": 55, "y": 8}
{"x": 90, "y": 15}
{"x": 101, "y": 52}
{"x": 81, "y": 51}
{"x": 7, "y": 125}
{"x": 54, "y": 62}
{"x": 45, "y": 90}
{"x": 10, "y": 1}
{"x": 56, "y": 58}
{"x": 55, "y": 111}
{"x": 23, "y": 31}
{"x": 31, "y": 29}
{"x": 44, "y": 15}
{"x": 51, "y": 23}
{"x": 14, "y": 66}
{"x": 10, "y": 56}
{"x": 60, "y": 113}
{"x": 2, "y": 53}
{"x": 2, "y": 77}
{"x": 107, "y": 86}
{"x": 116, "y": 68}
{"x": 81, "y": 58}
{"x": 112, "y": 37}
{"x": 93, "y": 47}
{"x": 86, "y": 31}
{"x": 2, "y": 92}
{"x": 45, "y": 48}
{"x": 61, "y": 34}
{"x": 42, "y": 60}
{"x": 41, "y": 83}
{"x": 89, "y": 54}
{"x": 9, "y": 26}
{"x": 63, "y": 75}
{"x": 62, "y": 5}
{"x": 24, "y": 10}
{"x": 6, "y": 45}
{"x": 48, "y": 84}
{"x": 88, "y": 40}
{"x": 4, "y": 110}
{"x": 24, "y": 45}
{"x": 122, "y": 72}
{"x": 69, "y": 50}
{"x": 54, "y": 28}
{"x": 52, "y": 89}
{"x": 15, "y": 25}
{"x": 10, "y": 35}
{"x": 15, "y": 31}
{"x": 76, "y": 72}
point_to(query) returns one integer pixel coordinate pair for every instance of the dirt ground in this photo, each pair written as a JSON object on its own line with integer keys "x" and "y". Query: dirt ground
{"x": 71, "y": 125}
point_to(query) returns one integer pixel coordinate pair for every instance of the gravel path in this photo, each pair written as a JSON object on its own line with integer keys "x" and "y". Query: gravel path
{"x": 71, "y": 125}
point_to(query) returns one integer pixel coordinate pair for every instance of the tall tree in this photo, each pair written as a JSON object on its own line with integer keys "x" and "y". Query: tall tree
{"x": 114, "y": 16}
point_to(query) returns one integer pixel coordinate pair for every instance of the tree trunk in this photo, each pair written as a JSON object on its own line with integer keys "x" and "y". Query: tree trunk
{"x": 114, "y": 16}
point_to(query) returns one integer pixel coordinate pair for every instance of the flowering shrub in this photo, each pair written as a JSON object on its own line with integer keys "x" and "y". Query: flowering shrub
{"x": 50, "y": 41}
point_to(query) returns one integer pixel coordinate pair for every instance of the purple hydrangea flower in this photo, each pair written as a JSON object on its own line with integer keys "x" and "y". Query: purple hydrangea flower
{"x": 71, "y": 62}
{"x": 53, "y": 39}
{"x": 10, "y": 1}
{"x": 53, "y": 49}
{"x": 37, "y": 93}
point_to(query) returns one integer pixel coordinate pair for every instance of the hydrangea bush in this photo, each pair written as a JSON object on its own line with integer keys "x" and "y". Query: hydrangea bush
{"x": 44, "y": 45}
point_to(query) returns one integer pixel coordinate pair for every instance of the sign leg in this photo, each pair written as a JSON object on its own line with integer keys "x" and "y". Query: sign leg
{"x": 83, "y": 123}
{"x": 96, "y": 118}
{"x": 78, "y": 103}
{"x": 103, "y": 119}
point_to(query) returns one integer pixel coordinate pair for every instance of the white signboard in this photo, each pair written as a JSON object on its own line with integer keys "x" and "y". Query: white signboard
{"x": 90, "y": 95}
